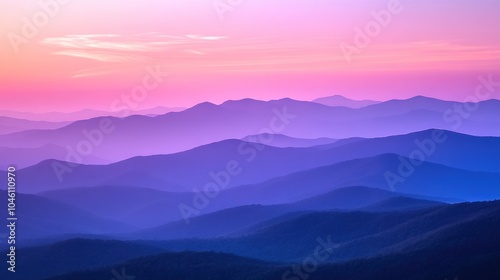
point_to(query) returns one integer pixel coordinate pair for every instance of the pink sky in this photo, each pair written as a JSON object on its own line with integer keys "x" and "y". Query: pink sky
{"x": 93, "y": 52}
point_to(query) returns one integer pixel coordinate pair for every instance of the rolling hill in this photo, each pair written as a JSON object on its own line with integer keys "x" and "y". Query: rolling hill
{"x": 183, "y": 171}
{"x": 41, "y": 217}
{"x": 210, "y": 123}
{"x": 449, "y": 241}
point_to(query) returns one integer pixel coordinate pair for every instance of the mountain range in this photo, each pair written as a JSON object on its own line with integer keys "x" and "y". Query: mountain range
{"x": 250, "y": 189}
{"x": 439, "y": 236}
{"x": 260, "y": 162}
{"x": 207, "y": 123}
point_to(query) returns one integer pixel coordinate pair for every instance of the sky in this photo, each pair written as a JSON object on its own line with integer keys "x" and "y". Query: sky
{"x": 69, "y": 55}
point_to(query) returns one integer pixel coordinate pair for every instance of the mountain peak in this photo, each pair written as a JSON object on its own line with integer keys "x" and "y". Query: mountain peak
{"x": 342, "y": 101}
{"x": 423, "y": 97}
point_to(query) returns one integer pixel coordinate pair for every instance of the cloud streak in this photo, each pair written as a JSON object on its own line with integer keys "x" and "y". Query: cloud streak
{"x": 261, "y": 53}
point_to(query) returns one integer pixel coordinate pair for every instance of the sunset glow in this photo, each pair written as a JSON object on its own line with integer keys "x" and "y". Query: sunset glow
{"x": 89, "y": 53}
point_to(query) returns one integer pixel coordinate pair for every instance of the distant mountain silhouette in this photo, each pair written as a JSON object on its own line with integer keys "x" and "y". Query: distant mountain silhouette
{"x": 25, "y": 157}
{"x": 354, "y": 234}
{"x": 179, "y": 172}
{"x": 283, "y": 141}
{"x": 238, "y": 220}
{"x": 131, "y": 205}
{"x": 216, "y": 224}
{"x": 186, "y": 265}
{"x": 402, "y": 106}
{"x": 134, "y": 205}
{"x": 449, "y": 241}
{"x": 401, "y": 203}
{"x": 456, "y": 150}
{"x": 11, "y": 125}
{"x": 207, "y": 123}
{"x": 84, "y": 114}
{"x": 182, "y": 172}
{"x": 345, "y": 198}
{"x": 401, "y": 189}
{"x": 428, "y": 179}
{"x": 341, "y": 101}
{"x": 41, "y": 217}
{"x": 75, "y": 255}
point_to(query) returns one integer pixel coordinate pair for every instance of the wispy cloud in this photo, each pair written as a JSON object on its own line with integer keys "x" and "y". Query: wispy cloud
{"x": 195, "y": 52}
{"x": 99, "y": 55}
{"x": 124, "y": 48}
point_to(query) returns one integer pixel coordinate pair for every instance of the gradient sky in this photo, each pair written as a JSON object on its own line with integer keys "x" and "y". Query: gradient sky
{"x": 93, "y": 52}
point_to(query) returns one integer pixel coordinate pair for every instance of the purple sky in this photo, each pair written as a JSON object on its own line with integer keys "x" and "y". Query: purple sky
{"x": 92, "y": 53}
